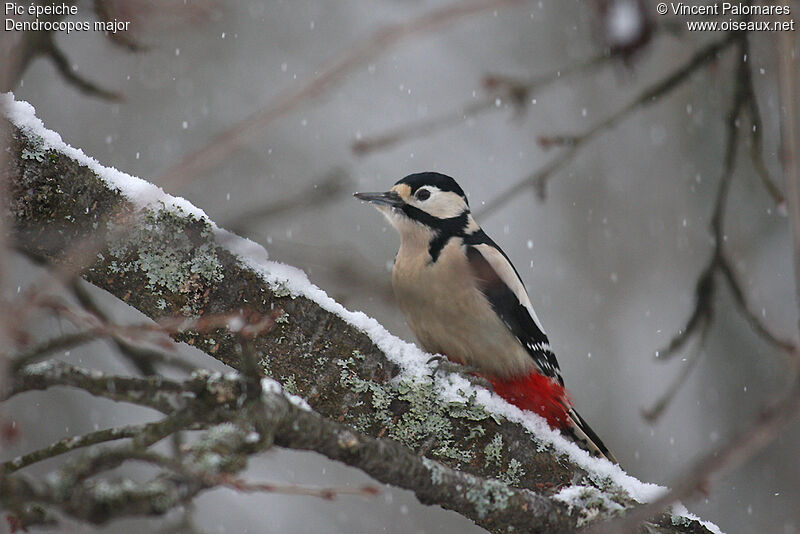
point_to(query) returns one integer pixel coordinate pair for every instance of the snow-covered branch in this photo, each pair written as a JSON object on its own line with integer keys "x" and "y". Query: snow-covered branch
{"x": 376, "y": 403}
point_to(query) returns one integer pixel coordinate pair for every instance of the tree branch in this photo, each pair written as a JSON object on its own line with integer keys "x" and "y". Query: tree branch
{"x": 488, "y": 502}
{"x": 152, "y": 392}
{"x": 173, "y": 262}
{"x": 70, "y": 444}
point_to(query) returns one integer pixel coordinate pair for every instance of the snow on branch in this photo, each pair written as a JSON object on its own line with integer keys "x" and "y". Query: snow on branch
{"x": 375, "y": 402}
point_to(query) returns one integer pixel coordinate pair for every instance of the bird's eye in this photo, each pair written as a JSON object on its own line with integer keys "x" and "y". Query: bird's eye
{"x": 423, "y": 194}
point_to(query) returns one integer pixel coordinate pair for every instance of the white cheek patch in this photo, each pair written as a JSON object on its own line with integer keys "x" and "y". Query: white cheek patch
{"x": 443, "y": 204}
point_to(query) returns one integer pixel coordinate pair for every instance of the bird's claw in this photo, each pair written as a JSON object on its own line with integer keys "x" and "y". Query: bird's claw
{"x": 471, "y": 374}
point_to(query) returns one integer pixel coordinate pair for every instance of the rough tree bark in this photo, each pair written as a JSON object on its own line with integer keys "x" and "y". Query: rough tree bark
{"x": 170, "y": 264}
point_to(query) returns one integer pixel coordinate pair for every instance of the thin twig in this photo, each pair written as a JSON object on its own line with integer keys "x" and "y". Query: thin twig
{"x": 327, "y": 494}
{"x": 757, "y": 151}
{"x": 758, "y": 326}
{"x": 70, "y": 444}
{"x": 154, "y": 392}
{"x": 144, "y": 359}
{"x": 240, "y": 322}
{"x": 64, "y": 67}
{"x": 654, "y": 412}
{"x": 701, "y": 316}
{"x": 234, "y": 322}
{"x": 538, "y": 180}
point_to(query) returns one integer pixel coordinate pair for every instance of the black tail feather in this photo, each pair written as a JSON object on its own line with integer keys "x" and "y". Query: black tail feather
{"x": 583, "y": 434}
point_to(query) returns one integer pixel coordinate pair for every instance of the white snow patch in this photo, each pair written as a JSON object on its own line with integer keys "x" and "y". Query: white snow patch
{"x": 579, "y": 495}
{"x": 268, "y": 385}
{"x": 411, "y": 359}
{"x": 680, "y": 510}
{"x": 138, "y": 191}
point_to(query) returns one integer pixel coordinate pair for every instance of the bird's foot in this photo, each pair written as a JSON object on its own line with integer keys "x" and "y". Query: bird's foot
{"x": 471, "y": 374}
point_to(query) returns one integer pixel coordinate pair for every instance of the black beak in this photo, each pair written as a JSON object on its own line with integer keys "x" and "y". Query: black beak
{"x": 390, "y": 198}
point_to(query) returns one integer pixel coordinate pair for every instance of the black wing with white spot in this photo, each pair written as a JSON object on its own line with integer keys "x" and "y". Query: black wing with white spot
{"x": 503, "y": 288}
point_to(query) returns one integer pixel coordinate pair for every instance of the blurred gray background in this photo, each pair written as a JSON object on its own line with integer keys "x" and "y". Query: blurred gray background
{"x": 610, "y": 258}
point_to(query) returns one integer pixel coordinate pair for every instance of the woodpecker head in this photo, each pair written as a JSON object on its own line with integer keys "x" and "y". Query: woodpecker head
{"x": 424, "y": 202}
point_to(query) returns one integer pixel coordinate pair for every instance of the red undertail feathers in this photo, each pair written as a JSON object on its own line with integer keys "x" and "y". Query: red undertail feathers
{"x": 536, "y": 393}
{"x": 543, "y": 395}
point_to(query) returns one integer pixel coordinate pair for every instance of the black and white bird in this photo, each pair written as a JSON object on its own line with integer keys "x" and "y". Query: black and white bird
{"x": 462, "y": 298}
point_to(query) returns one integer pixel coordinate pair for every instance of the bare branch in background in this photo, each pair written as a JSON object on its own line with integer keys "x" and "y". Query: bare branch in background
{"x": 749, "y": 440}
{"x": 720, "y": 262}
{"x": 228, "y": 141}
{"x": 701, "y": 316}
{"x": 51, "y": 50}
{"x": 754, "y": 319}
{"x": 649, "y": 96}
{"x": 25, "y": 46}
{"x": 657, "y": 409}
{"x": 243, "y": 324}
{"x": 790, "y": 137}
{"x": 106, "y": 10}
{"x": 518, "y": 92}
{"x": 498, "y": 89}
{"x": 144, "y": 359}
{"x": 774, "y": 418}
{"x": 335, "y": 183}
{"x": 757, "y": 151}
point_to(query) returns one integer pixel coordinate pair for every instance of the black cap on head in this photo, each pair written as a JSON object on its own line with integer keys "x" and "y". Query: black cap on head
{"x": 441, "y": 181}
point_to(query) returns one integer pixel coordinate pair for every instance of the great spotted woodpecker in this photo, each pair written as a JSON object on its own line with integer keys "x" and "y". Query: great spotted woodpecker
{"x": 462, "y": 298}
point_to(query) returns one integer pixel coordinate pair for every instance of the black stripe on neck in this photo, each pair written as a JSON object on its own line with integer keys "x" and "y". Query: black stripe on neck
{"x": 443, "y": 229}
